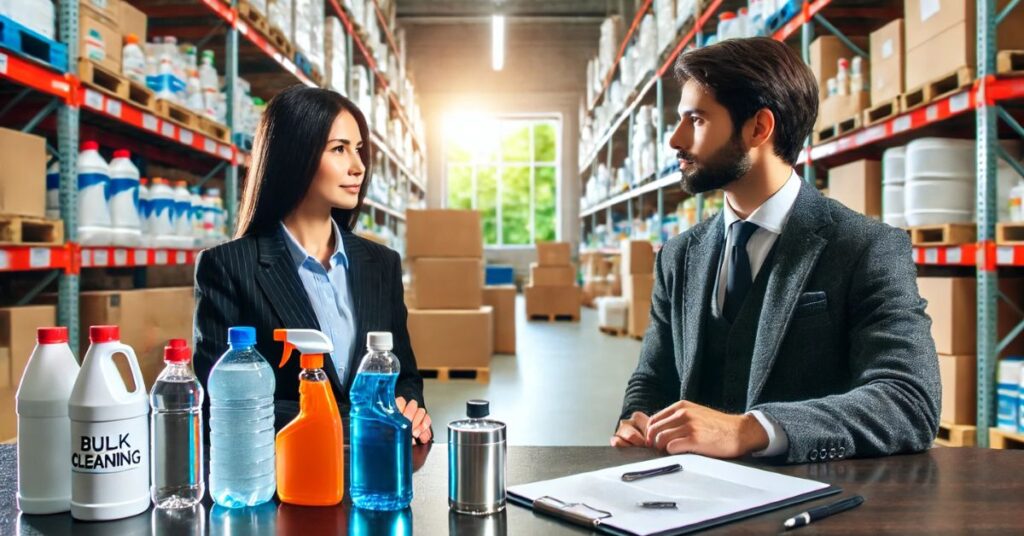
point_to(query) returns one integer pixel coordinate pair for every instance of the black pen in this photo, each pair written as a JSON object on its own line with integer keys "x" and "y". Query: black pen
{"x": 822, "y": 512}
{"x": 658, "y": 471}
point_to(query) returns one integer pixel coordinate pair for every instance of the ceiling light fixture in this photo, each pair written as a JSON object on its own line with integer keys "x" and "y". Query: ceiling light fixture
{"x": 497, "y": 42}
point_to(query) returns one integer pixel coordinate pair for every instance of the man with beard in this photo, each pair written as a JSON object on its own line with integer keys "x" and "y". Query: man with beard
{"x": 788, "y": 326}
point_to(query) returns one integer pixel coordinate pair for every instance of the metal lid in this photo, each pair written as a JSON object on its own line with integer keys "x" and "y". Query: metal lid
{"x": 476, "y": 432}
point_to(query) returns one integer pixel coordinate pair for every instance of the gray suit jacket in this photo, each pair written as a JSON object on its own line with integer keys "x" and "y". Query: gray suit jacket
{"x": 843, "y": 360}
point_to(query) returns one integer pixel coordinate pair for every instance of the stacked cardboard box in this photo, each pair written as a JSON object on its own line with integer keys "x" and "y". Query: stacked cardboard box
{"x": 552, "y": 291}
{"x": 502, "y": 299}
{"x": 450, "y": 326}
{"x": 952, "y": 307}
{"x": 600, "y": 276}
{"x": 887, "y": 68}
{"x": 825, "y": 53}
{"x": 17, "y": 340}
{"x": 22, "y": 184}
{"x": 858, "y": 185}
{"x": 637, "y": 283}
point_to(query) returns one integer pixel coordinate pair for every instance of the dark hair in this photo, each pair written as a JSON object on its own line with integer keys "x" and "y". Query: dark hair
{"x": 287, "y": 148}
{"x": 748, "y": 75}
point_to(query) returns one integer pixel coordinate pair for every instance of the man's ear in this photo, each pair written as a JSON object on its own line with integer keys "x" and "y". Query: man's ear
{"x": 761, "y": 127}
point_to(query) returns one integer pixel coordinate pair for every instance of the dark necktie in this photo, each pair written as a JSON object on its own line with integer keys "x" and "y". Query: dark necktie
{"x": 739, "y": 278}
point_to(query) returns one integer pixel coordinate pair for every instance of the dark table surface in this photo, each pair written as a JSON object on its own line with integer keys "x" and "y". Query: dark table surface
{"x": 942, "y": 491}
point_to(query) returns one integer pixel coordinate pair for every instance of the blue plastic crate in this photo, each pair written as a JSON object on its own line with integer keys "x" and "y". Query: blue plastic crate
{"x": 243, "y": 141}
{"x": 33, "y": 45}
{"x": 783, "y": 15}
{"x": 499, "y": 275}
{"x": 303, "y": 64}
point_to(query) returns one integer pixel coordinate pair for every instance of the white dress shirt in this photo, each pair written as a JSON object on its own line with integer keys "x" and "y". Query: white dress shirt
{"x": 771, "y": 217}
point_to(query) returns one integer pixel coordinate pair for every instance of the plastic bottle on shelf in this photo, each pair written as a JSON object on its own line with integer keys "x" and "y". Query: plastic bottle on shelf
{"x": 109, "y": 433}
{"x": 124, "y": 200}
{"x": 213, "y": 219}
{"x": 176, "y": 427}
{"x": 194, "y": 93}
{"x": 727, "y": 25}
{"x": 209, "y": 83}
{"x": 93, "y": 194}
{"x": 53, "y": 191}
{"x": 1016, "y": 200}
{"x": 161, "y": 216}
{"x": 196, "y": 219}
{"x": 44, "y": 429}
{"x": 742, "y": 23}
{"x": 755, "y": 18}
{"x": 144, "y": 210}
{"x": 183, "y": 214}
{"x": 133, "y": 59}
{"x": 242, "y": 459}
{"x": 843, "y": 77}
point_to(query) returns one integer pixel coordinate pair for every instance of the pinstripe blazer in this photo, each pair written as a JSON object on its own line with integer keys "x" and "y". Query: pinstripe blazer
{"x": 252, "y": 281}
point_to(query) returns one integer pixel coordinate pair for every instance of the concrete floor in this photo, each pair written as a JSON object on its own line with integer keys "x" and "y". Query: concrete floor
{"x": 564, "y": 386}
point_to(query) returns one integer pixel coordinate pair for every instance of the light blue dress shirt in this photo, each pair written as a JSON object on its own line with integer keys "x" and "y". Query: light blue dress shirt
{"x": 329, "y": 294}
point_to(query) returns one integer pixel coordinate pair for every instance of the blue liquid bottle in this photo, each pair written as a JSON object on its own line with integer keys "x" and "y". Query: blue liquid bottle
{"x": 241, "y": 389}
{"x": 381, "y": 436}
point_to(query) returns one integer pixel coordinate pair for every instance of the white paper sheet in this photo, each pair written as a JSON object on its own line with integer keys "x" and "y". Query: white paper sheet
{"x": 705, "y": 489}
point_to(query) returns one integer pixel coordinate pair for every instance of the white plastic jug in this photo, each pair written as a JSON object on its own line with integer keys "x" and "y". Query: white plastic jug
{"x": 893, "y": 179}
{"x": 109, "y": 433}
{"x": 183, "y": 215}
{"x": 198, "y": 214}
{"x": 124, "y": 200}
{"x": 161, "y": 215}
{"x": 93, "y": 196}
{"x": 144, "y": 208}
{"x": 44, "y": 429}
{"x": 133, "y": 60}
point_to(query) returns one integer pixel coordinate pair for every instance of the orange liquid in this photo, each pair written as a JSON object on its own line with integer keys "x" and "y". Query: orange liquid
{"x": 310, "y": 450}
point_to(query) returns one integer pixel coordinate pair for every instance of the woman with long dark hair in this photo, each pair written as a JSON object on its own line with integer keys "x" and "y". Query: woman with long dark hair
{"x": 295, "y": 262}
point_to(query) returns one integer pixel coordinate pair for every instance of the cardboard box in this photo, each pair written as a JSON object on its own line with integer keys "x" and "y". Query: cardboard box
{"x": 131, "y": 20}
{"x": 23, "y": 174}
{"x": 99, "y": 40}
{"x": 502, "y": 299}
{"x": 637, "y": 290}
{"x": 8, "y": 416}
{"x": 552, "y": 276}
{"x": 453, "y": 339}
{"x": 5, "y": 367}
{"x": 842, "y": 107}
{"x": 825, "y": 53}
{"x": 637, "y": 257}
{"x": 953, "y": 309}
{"x": 556, "y": 301}
{"x": 887, "y": 69}
{"x": 858, "y": 185}
{"x": 553, "y": 254}
{"x": 448, "y": 283}
{"x": 958, "y": 374}
{"x": 443, "y": 233}
{"x": 148, "y": 319}
{"x": 940, "y": 37}
{"x": 107, "y": 10}
{"x": 18, "y": 336}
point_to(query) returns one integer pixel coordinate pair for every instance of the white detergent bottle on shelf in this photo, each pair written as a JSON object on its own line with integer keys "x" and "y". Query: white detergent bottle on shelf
{"x": 44, "y": 429}
{"x": 209, "y": 83}
{"x": 133, "y": 60}
{"x": 144, "y": 208}
{"x": 109, "y": 433}
{"x": 93, "y": 196}
{"x": 198, "y": 213}
{"x": 183, "y": 215}
{"x": 194, "y": 93}
{"x": 53, "y": 191}
{"x": 161, "y": 217}
{"x": 1017, "y": 202}
{"x": 124, "y": 200}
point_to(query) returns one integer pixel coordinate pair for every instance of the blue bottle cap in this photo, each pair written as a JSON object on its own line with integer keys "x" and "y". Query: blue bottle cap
{"x": 242, "y": 336}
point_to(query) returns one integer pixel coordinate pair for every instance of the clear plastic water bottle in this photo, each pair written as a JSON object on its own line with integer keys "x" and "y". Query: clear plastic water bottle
{"x": 176, "y": 427}
{"x": 241, "y": 389}
{"x": 381, "y": 435}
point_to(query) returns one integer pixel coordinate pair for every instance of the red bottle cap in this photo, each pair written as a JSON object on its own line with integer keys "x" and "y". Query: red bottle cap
{"x": 98, "y": 334}
{"x": 90, "y": 146}
{"x": 122, "y": 153}
{"x": 57, "y": 335}
{"x": 177, "y": 351}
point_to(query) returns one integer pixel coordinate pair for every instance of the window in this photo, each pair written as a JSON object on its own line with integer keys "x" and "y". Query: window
{"x": 507, "y": 168}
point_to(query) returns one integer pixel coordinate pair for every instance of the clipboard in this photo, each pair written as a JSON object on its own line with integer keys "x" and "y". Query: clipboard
{"x": 564, "y": 504}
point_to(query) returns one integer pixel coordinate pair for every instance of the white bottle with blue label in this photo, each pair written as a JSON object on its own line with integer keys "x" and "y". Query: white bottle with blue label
{"x": 183, "y": 215}
{"x": 53, "y": 191}
{"x": 124, "y": 200}
{"x": 144, "y": 208}
{"x": 1008, "y": 382}
{"x": 93, "y": 197}
{"x": 161, "y": 216}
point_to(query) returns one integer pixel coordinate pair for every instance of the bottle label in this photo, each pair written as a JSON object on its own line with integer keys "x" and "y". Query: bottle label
{"x": 109, "y": 447}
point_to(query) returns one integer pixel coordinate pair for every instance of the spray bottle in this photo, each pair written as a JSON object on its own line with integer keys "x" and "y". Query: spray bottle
{"x": 316, "y": 433}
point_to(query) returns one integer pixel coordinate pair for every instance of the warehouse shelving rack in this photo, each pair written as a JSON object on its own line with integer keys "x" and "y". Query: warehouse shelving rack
{"x": 61, "y": 106}
{"x": 979, "y": 109}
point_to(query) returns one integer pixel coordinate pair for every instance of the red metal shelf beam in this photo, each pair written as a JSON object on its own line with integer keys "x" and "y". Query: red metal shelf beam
{"x": 807, "y": 13}
{"x": 34, "y": 75}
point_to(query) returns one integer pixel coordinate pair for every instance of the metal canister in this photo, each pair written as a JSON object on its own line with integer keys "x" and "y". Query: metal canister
{"x": 476, "y": 462}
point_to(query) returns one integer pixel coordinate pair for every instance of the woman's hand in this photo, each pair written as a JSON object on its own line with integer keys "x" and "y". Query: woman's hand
{"x": 418, "y": 417}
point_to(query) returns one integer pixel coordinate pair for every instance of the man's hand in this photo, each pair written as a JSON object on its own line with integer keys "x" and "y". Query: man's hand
{"x": 632, "y": 431}
{"x": 685, "y": 427}
{"x": 418, "y": 417}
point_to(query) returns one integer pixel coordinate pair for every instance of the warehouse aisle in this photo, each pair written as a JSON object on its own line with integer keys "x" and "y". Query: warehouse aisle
{"x": 564, "y": 387}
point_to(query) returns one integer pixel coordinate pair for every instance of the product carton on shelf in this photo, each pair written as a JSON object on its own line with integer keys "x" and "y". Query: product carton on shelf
{"x": 335, "y": 66}
{"x": 18, "y": 337}
{"x": 887, "y": 69}
{"x": 452, "y": 338}
{"x": 838, "y": 108}
{"x": 825, "y": 54}
{"x": 308, "y": 30}
{"x": 130, "y": 20}
{"x": 952, "y": 306}
{"x": 99, "y": 40}
{"x": 502, "y": 299}
{"x": 107, "y": 10}
{"x": 447, "y": 283}
{"x": 22, "y": 177}
{"x": 858, "y": 185}
{"x": 279, "y": 15}
{"x": 958, "y": 375}
{"x": 443, "y": 233}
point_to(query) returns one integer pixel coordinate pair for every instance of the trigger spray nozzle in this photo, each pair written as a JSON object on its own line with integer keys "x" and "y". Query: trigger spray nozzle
{"x": 311, "y": 344}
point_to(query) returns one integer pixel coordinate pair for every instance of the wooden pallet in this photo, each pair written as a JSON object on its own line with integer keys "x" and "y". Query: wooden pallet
{"x": 1010, "y": 62}
{"x": 482, "y": 375}
{"x": 102, "y": 79}
{"x": 177, "y": 113}
{"x": 1010, "y": 234}
{"x": 1001, "y": 439}
{"x": 882, "y": 112}
{"x": 839, "y": 128}
{"x": 936, "y": 89}
{"x": 141, "y": 96}
{"x": 555, "y": 318}
{"x": 946, "y": 234}
{"x": 253, "y": 17}
{"x": 956, "y": 435}
{"x": 214, "y": 129}
{"x": 617, "y": 332}
{"x": 281, "y": 41}
{"x": 29, "y": 230}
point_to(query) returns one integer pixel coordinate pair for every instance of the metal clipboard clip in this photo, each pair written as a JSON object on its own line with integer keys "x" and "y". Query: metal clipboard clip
{"x": 577, "y": 513}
